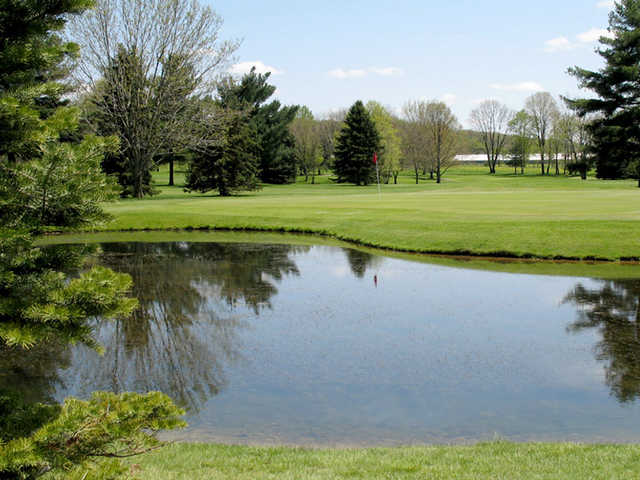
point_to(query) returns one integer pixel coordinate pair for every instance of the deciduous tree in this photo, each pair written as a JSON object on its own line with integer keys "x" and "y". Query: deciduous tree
{"x": 306, "y": 131}
{"x": 521, "y": 130}
{"x": 390, "y": 150}
{"x": 442, "y": 129}
{"x": 542, "y": 108}
{"x": 491, "y": 118}
{"x": 141, "y": 61}
{"x": 415, "y": 138}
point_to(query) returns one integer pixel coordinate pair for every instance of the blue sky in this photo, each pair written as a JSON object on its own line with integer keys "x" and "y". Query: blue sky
{"x": 328, "y": 54}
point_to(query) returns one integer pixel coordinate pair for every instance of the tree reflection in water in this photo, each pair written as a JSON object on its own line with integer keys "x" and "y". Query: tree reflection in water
{"x": 185, "y": 331}
{"x": 360, "y": 261}
{"x": 34, "y": 373}
{"x": 613, "y": 309}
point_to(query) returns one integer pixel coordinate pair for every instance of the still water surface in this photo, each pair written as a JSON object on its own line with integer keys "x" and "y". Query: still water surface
{"x": 333, "y": 346}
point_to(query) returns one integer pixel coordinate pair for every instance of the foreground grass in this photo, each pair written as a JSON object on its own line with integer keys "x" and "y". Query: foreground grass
{"x": 497, "y": 460}
{"x": 471, "y": 212}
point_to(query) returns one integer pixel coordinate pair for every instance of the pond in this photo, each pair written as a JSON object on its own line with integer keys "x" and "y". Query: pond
{"x": 325, "y": 345}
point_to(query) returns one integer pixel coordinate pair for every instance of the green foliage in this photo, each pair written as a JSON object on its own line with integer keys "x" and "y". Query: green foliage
{"x": 390, "y": 148}
{"x": 84, "y": 433}
{"x": 270, "y": 121}
{"x": 31, "y": 51}
{"x": 37, "y": 302}
{"x": 616, "y": 129}
{"x": 20, "y": 419}
{"x": 522, "y": 140}
{"x": 308, "y": 146}
{"x": 63, "y": 186}
{"x": 228, "y": 167}
{"x": 50, "y": 177}
{"x": 357, "y": 142}
{"x": 33, "y": 59}
{"x": 121, "y": 102}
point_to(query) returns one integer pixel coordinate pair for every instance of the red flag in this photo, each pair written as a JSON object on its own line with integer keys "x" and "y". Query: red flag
{"x": 375, "y": 158}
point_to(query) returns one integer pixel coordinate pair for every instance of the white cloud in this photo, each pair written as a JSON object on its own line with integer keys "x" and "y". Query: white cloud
{"x": 561, "y": 44}
{"x": 518, "y": 87}
{"x": 245, "y": 67}
{"x": 353, "y": 73}
{"x": 594, "y": 35}
{"x": 605, "y": 4}
{"x": 449, "y": 98}
{"x": 341, "y": 73}
{"x": 558, "y": 44}
{"x": 386, "y": 71}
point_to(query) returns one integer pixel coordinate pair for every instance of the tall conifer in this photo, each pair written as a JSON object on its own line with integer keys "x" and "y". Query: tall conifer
{"x": 357, "y": 142}
{"x": 616, "y": 128}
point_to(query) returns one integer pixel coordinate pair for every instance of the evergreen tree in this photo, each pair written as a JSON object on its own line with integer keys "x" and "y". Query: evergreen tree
{"x": 33, "y": 58}
{"x": 228, "y": 167}
{"x": 47, "y": 181}
{"x": 616, "y": 129}
{"x": 270, "y": 121}
{"x": 355, "y": 146}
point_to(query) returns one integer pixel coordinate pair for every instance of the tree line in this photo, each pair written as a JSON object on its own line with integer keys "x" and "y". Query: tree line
{"x": 150, "y": 76}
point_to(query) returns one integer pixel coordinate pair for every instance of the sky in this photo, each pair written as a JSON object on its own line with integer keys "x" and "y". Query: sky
{"x": 328, "y": 54}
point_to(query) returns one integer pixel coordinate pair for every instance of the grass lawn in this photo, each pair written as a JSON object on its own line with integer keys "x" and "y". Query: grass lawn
{"x": 497, "y": 460}
{"x": 471, "y": 212}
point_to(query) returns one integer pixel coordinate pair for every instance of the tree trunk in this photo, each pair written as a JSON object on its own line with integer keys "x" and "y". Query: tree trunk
{"x": 171, "y": 171}
{"x": 542, "y": 162}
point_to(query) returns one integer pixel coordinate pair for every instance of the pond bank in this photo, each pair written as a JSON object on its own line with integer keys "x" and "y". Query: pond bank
{"x": 488, "y": 460}
{"x": 578, "y": 268}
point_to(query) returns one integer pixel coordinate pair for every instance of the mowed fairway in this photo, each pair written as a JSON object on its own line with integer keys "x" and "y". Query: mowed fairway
{"x": 471, "y": 212}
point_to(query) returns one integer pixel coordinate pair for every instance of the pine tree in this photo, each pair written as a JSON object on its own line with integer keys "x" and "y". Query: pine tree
{"x": 46, "y": 180}
{"x": 228, "y": 167}
{"x": 269, "y": 120}
{"x": 355, "y": 146}
{"x": 616, "y": 128}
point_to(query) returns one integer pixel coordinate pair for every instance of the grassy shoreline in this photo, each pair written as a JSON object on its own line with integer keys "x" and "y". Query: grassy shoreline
{"x": 482, "y": 461}
{"x": 471, "y": 214}
{"x": 566, "y": 268}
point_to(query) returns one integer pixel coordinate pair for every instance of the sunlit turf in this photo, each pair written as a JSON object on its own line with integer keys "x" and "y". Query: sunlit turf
{"x": 496, "y": 460}
{"x": 601, "y": 270}
{"x": 471, "y": 212}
